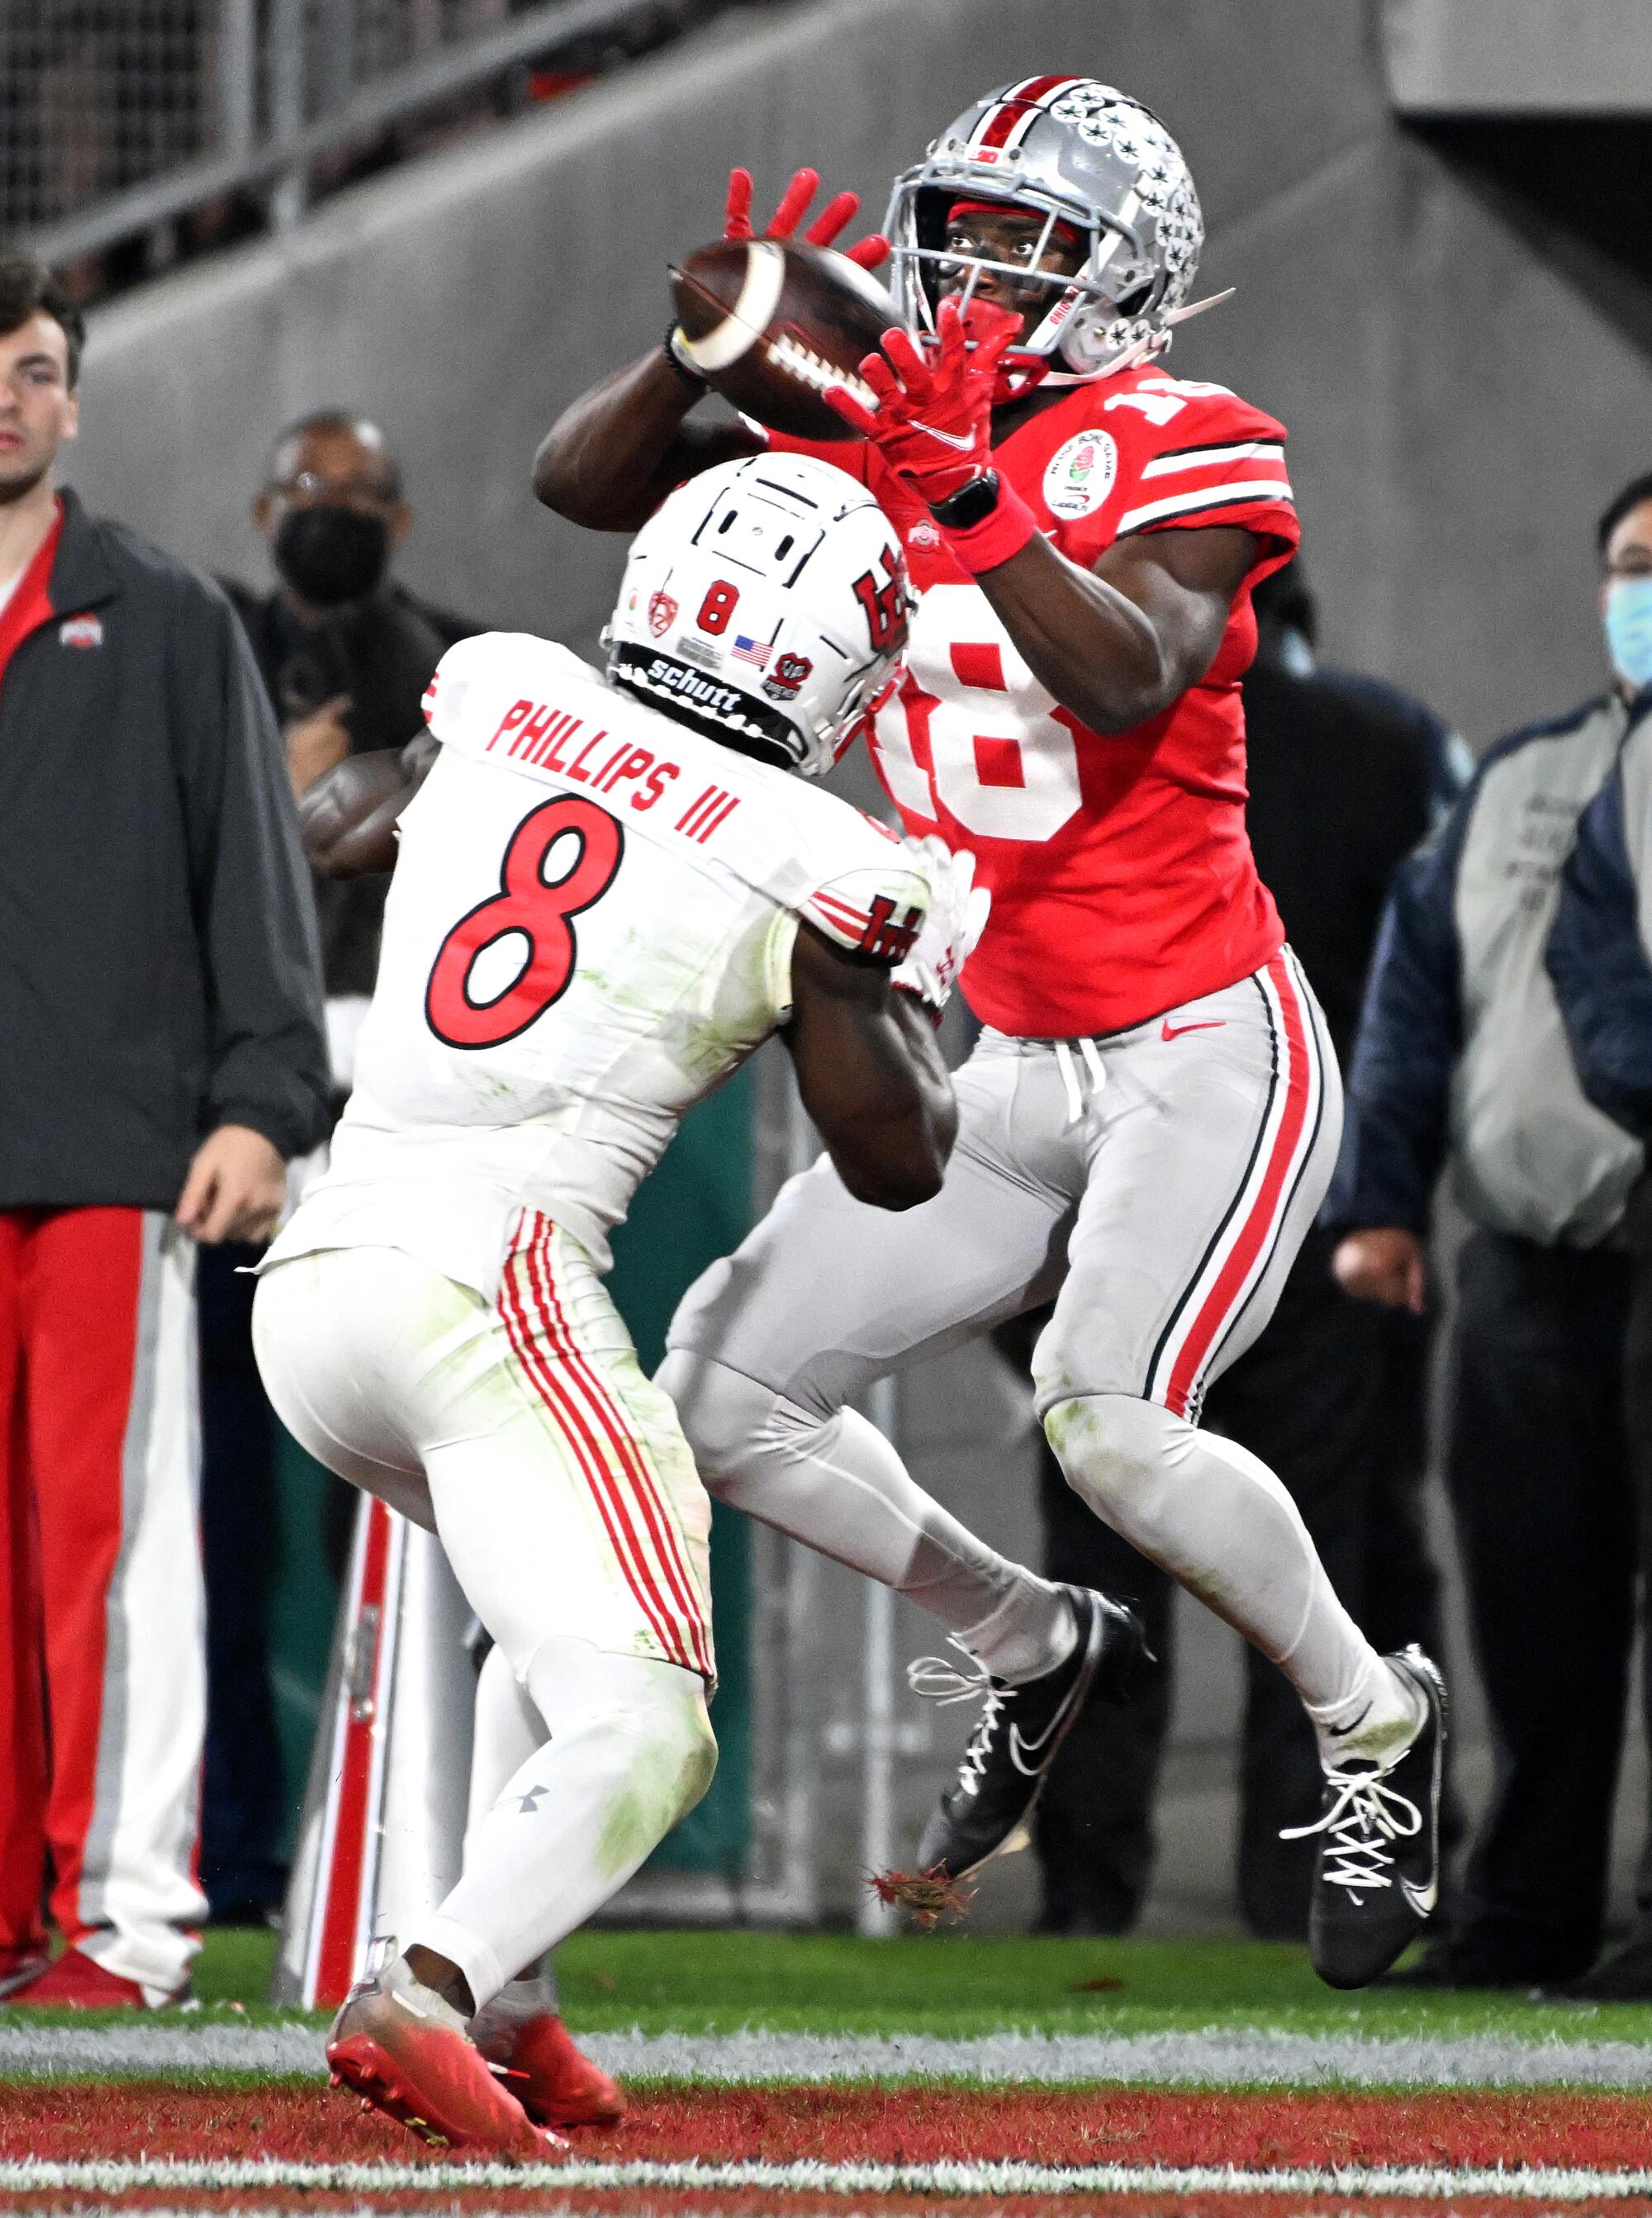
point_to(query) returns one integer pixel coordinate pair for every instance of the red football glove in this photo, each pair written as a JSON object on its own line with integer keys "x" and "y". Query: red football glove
{"x": 835, "y": 217}
{"x": 933, "y": 425}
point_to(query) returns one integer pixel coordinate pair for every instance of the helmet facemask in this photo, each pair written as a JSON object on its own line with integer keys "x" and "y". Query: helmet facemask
{"x": 1069, "y": 152}
{"x": 1100, "y": 309}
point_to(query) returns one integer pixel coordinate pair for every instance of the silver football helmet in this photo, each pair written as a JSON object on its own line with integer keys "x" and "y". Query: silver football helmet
{"x": 1084, "y": 156}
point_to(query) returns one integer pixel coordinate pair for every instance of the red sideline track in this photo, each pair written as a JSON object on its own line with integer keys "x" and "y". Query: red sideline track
{"x": 69, "y": 2121}
{"x": 769, "y": 2202}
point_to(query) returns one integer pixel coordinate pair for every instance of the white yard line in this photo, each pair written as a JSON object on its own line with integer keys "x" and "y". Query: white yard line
{"x": 1215, "y": 2058}
{"x": 1432, "y": 2182}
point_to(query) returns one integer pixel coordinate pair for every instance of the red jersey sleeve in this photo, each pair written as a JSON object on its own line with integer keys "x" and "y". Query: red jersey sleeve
{"x": 1210, "y": 457}
{"x": 1147, "y": 452}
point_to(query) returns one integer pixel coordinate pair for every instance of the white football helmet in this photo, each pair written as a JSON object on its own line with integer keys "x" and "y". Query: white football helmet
{"x": 1081, "y": 154}
{"x": 765, "y": 603}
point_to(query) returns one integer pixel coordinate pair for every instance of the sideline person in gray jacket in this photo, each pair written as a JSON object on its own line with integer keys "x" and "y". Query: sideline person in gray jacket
{"x": 1463, "y": 1052}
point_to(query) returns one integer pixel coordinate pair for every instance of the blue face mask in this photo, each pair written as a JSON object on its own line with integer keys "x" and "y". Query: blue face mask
{"x": 1628, "y": 630}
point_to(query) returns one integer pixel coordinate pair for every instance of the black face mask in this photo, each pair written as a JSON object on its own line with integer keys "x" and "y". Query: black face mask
{"x": 333, "y": 555}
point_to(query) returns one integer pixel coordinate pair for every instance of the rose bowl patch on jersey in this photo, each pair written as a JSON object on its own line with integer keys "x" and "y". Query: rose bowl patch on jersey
{"x": 1079, "y": 474}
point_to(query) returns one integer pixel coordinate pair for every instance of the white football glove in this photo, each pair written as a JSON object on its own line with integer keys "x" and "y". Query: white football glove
{"x": 956, "y": 919}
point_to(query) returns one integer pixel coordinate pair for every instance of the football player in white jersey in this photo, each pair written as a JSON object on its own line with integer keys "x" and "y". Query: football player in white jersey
{"x": 608, "y": 891}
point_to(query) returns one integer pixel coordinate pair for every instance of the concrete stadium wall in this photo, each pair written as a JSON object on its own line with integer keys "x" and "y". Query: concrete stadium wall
{"x": 1458, "y": 414}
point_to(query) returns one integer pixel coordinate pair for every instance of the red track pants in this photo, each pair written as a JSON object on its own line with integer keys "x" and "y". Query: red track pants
{"x": 102, "y": 1642}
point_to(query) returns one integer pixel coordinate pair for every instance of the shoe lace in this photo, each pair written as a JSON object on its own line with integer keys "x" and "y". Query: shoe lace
{"x": 936, "y": 1680}
{"x": 1360, "y": 1819}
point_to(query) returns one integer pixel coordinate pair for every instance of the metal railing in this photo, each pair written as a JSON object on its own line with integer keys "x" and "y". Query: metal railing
{"x": 120, "y": 115}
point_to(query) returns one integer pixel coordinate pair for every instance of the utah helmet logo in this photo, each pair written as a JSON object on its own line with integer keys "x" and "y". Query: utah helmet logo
{"x": 787, "y": 676}
{"x": 884, "y": 601}
{"x": 662, "y": 612}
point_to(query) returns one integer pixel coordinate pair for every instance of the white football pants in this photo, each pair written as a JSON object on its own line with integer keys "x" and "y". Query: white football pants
{"x": 524, "y": 1434}
{"x": 1162, "y": 1179}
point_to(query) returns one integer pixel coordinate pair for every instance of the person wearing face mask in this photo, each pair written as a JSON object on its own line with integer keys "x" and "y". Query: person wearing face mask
{"x": 1599, "y": 959}
{"x": 345, "y": 648}
{"x": 346, "y": 652}
{"x": 1463, "y": 1052}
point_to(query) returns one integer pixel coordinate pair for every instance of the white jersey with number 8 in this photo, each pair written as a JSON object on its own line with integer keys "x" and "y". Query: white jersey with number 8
{"x": 589, "y": 926}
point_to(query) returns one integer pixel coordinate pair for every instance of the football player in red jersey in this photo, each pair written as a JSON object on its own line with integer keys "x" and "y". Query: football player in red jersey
{"x": 1151, "y": 1117}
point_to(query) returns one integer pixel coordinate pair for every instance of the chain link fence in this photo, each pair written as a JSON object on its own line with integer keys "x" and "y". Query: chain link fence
{"x": 169, "y": 122}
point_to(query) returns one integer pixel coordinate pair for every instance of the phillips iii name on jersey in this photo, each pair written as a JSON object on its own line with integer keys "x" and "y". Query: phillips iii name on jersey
{"x": 589, "y": 926}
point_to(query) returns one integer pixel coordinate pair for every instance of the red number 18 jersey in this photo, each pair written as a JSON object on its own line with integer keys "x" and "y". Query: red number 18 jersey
{"x": 1120, "y": 870}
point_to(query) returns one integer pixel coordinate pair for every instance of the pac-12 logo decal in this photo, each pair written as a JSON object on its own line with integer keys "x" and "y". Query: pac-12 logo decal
{"x": 1079, "y": 475}
{"x": 662, "y": 613}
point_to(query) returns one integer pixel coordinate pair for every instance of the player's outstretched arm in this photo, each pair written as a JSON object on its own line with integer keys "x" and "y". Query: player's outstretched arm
{"x": 348, "y": 818}
{"x": 610, "y": 459}
{"x": 614, "y": 453}
{"x": 1119, "y": 643}
{"x": 871, "y": 1076}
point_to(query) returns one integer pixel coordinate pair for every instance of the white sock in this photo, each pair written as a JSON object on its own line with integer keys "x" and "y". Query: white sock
{"x": 1222, "y": 1524}
{"x": 629, "y": 1750}
{"x": 836, "y": 1485}
{"x": 1016, "y": 1643}
{"x": 509, "y": 1729}
{"x": 1380, "y": 1718}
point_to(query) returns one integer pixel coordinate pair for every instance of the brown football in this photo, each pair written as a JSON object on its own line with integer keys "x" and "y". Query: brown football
{"x": 769, "y": 325}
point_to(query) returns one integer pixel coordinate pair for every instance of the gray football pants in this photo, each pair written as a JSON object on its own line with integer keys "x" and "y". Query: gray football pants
{"x": 1162, "y": 1179}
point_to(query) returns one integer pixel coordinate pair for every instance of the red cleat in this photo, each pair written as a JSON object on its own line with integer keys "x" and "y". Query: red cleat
{"x": 555, "y": 2084}
{"x": 75, "y": 1982}
{"x": 390, "y": 2046}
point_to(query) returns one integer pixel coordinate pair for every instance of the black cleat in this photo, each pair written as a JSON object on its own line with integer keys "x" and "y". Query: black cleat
{"x": 1018, "y": 1731}
{"x": 1376, "y": 1881}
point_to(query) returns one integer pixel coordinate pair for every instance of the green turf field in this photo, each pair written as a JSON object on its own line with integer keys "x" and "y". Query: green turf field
{"x": 956, "y": 1985}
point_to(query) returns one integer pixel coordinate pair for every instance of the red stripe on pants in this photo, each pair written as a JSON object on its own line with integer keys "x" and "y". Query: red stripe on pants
{"x": 70, "y": 1285}
{"x": 1273, "y": 1198}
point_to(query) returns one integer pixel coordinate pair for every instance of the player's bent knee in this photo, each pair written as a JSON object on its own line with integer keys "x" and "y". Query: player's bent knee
{"x": 659, "y": 1762}
{"x": 1119, "y": 1453}
{"x": 637, "y": 1730}
{"x": 721, "y": 1412}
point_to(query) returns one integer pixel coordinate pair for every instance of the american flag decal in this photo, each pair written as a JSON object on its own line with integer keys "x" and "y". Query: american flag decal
{"x": 750, "y": 650}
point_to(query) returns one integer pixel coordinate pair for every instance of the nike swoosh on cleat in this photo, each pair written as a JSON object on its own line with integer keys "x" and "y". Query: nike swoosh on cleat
{"x": 1020, "y": 1745}
{"x": 1421, "y": 1899}
{"x": 1341, "y": 1732}
{"x": 948, "y": 438}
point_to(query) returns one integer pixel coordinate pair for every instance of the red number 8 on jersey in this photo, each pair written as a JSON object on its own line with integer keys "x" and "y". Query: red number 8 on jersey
{"x": 541, "y": 912}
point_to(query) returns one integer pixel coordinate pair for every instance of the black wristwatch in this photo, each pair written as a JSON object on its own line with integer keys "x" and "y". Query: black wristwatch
{"x": 971, "y": 503}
